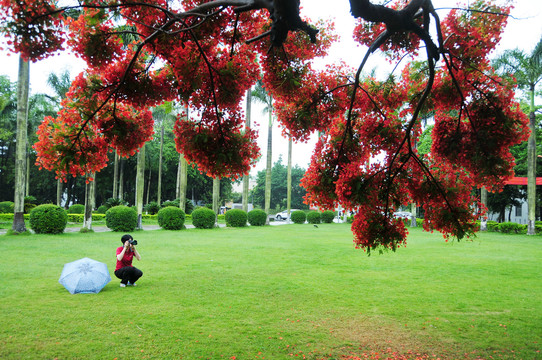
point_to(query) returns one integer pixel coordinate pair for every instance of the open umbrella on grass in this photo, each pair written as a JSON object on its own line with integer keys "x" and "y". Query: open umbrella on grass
{"x": 84, "y": 276}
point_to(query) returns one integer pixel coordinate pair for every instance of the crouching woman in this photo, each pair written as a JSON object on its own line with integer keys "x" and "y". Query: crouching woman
{"x": 124, "y": 270}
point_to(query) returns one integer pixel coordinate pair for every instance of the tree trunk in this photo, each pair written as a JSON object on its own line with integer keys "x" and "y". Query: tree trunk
{"x": 413, "y": 222}
{"x": 148, "y": 186}
{"x": 183, "y": 183}
{"x": 246, "y": 178}
{"x": 90, "y": 200}
{"x": 121, "y": 180}
{"x": 58, "y": 192}
{"x": 269, "y": 165}
{"x": 531, "y": 169}
{"x": 483, "y": 200}
{"x": 140, "y": 186}
{"x": 20, "y": 156}
{"x": 216, "y": 197}
{"x": 289, "y": 179}
{"x": 116, "y": 176}
{"x": 27, "y": 177}
{"x": 159, "y": 190}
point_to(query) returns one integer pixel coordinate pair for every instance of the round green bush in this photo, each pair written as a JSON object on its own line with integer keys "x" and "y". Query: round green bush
{"x": 121, "y": 218}
{"x": 313, "y": 217}
{"x": 298, "y": 217}
{"x": 48, "y": 219}
{"x": 236, "y": 218}
{"x": 256, "y": 217}
{"x": 102, "y": 209}
{"x": 171, "y": 218}
{"x": 328, "y": 216}
{"x": 76, "y": 209}
{"x": 203, "y": 218}
{"x": 6, "y": 207}
{"x": 152, "y": 208}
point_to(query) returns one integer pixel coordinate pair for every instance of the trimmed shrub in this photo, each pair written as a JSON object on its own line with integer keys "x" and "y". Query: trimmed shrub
{"x": 80, "y": 218}
{"x": 102, "y": 209}
{"x": 76, "y": 209}
{"x": 511, "y": 228}
{"x": 236, "y": 218}
{"x": 313, "y": 217}
{"x": 171, "y": 218}
{"x": 6, "y": 207}
{"x": 298, "y": 217}
{"x": 121, "y": 218}
{"x": 48, "y": 219}
{"x": 152, "y": 208}
{"x": 492, "y": 226}
{"x": 256, "y": 217}
{"x": 327, "y": 216}
{"x": 203, "y": 218}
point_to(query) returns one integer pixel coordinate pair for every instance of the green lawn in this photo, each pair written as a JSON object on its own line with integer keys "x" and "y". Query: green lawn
{"x": 277, "y": 292}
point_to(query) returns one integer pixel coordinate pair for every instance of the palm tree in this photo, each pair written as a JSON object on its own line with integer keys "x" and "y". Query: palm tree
{"x": 289, "y": 179}
{"x": 140, "y": 186}
{"x": 182, "y": 176}
{"x": 261, "y": 95}
{"x": 527, "y": 69}
{"x": 61, "y": 85}
{"x": 90, "y": 201}
{"x": 246, "y": 177}
{"x": 23, "y": 84}
{"x": 216, "y": 198}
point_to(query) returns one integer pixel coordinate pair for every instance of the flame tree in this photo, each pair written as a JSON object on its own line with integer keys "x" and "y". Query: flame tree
{"x": 208, "y": 53}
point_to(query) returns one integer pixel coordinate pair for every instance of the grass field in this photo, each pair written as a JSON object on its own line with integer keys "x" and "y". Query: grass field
{"x": 277, "y": 292}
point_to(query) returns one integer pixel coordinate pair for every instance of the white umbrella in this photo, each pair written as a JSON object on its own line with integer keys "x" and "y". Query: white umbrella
{"x": 84, "y": 276}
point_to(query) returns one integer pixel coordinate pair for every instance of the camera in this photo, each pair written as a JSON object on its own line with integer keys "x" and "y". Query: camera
{"x": 132, "y": 242}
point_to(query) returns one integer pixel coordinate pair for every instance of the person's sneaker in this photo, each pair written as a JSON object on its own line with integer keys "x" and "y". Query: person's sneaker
{"x": 122, "y": 285}
{"x": 130, "y": 284}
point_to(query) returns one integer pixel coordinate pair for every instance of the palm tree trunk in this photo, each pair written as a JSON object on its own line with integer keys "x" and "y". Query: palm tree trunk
{"x": 148, "y": 186}
{"x": 246, "y": 178}
{"x": 140, "y": 186}
{"x": 90, "y": 199}
{"x": 58, "y": 192}
{"x": 116, "y": 176}
{"x": 159, "y": 191}
{"x": 216, "y": 197}
{"x": 269, "y": 166}
{"x": 483, "y": 200}
{"x": 183, "y": 184}
{"x": 121, "y": 179}
{"x": 27, "y": 187}
{"x": 413, "y": 208}
{"x": 289, "y": 179}
{"x": 20, "y": 156}
{"x": 531, "y": 168}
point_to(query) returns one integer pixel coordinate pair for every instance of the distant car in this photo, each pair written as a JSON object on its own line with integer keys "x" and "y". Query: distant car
{"x": 284, "y": 215}
{"x": 402, "y": 215}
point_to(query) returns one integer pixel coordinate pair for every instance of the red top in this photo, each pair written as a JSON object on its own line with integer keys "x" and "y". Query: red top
{"x": 126, "y": 260}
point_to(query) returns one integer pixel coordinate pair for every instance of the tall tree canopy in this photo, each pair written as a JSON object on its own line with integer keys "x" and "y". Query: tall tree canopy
{"x": 205, "y": 53}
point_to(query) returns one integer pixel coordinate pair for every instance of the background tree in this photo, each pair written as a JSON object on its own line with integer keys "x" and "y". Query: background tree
{"x": 279, "y": 183}
{"x": 20, "y": 153}
{"x": 261, "y": 95}
{"x": 60, "y": 85}
{"x": 527, "y": 71}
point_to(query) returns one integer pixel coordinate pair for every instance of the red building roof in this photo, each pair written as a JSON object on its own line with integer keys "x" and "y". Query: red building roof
{"x": 522, "y": 181}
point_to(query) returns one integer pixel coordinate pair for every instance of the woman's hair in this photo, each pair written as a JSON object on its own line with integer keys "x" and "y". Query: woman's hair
{"x": 126, "y": 238}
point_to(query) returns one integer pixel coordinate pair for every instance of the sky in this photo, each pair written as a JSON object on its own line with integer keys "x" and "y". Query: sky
{"x": 523, "y": 31}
